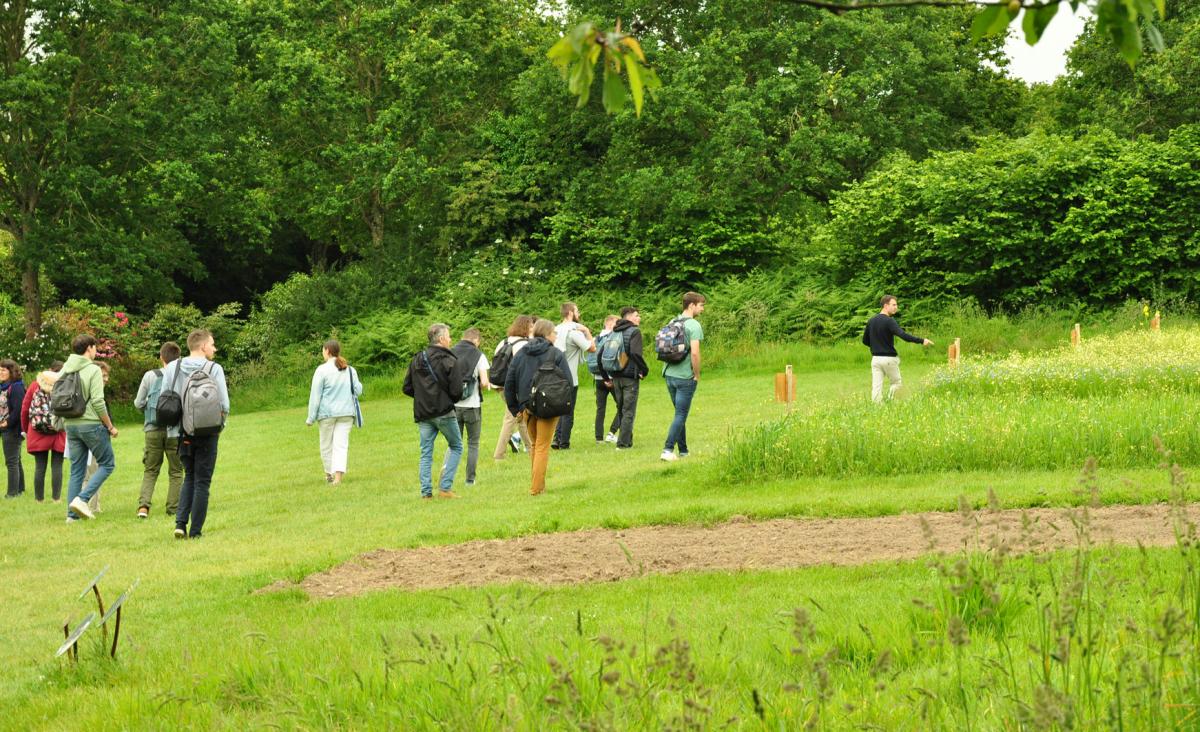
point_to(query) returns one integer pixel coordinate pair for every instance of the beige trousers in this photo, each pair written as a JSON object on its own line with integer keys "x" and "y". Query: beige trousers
{"x": 335, "y": 442}
{"x": 882, "y": 366}
{"x": 510, "y": 425}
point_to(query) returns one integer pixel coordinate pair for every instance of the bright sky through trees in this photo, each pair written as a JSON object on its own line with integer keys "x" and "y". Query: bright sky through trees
{"x": 1047, "y": 60}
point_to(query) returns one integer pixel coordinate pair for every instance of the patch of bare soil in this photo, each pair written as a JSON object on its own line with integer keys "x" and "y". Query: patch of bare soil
{"x": 601, "y": 555}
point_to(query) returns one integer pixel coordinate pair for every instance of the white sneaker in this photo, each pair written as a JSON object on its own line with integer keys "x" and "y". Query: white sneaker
{"x": 610, "y": 437}
{"x": 80, "y": 508}
{"x": 669, "y": 456}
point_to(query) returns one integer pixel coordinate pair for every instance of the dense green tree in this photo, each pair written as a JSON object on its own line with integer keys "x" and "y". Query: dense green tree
{"x": 116, "y": 133}
{"x": 373, "y": 107}
{"x": 765, "y": 111}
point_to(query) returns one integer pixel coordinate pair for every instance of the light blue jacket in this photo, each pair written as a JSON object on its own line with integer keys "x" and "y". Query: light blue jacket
{"x": 186, "y": 366}
{"x": 332, "y": 394}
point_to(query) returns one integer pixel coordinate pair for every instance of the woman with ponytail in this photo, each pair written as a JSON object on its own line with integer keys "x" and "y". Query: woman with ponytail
{"x": 333, "y": 405}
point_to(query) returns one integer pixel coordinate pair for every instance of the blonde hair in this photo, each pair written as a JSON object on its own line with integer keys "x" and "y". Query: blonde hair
{"x": 197, "y": 338}
{"x": 542, "y": 328}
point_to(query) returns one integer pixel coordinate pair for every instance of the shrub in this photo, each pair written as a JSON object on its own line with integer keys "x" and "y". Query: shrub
{"x": 1038, "y": 220}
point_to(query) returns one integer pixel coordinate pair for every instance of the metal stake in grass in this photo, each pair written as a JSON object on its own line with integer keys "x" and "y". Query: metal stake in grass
{"x": 95, "y": 588}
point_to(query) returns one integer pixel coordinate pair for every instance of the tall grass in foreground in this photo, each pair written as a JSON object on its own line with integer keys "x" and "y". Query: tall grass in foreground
{"x": 1085, "y": 639}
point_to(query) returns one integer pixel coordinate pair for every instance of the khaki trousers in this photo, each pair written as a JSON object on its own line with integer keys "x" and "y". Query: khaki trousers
{"x": 159, "y": 447}
{"x": 510, "y": 425}
{"x": 882, "y": 366}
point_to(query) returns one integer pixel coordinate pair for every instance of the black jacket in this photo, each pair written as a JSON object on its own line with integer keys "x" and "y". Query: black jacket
{"x": 518, "y": 387}
{"x": 431, "y": 382}
{"x": 468, "y": 355}
{"x": 636, "y": 368}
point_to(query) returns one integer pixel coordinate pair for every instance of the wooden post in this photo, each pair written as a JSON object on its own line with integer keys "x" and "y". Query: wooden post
{"x": 953, "y": 352}
{"x": 1076, "y": 335}
{"x": 1155, "y": 322}
{"x": 785, "y": 386}
{"x": 790, "y": 381}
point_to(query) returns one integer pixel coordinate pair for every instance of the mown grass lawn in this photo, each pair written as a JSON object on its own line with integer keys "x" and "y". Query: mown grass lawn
{"x": 199, "y": 650}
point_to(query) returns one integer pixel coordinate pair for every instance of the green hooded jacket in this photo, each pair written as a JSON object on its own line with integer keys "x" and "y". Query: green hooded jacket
{"x": 93, "y": 389}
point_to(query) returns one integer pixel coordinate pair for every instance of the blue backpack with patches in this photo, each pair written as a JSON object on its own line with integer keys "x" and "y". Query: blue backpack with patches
{"x": 613, "y": 357}
{"x": 593, "y": 357}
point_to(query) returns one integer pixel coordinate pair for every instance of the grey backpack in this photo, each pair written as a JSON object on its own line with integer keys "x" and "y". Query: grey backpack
{"x": 202, "y": 410}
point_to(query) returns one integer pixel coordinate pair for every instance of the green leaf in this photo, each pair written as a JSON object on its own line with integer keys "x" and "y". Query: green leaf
{"x": 1036, "y": 20}
{"x": 985, "y": 20}
{"x": 562, "y": 53}
{"x": 1154, "y": 35}
{"x": 614, "y": 92}
{"x": 635, "y": 82}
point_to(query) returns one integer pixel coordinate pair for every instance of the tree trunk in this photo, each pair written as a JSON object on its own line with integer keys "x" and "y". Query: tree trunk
{"x": 31, "y": 292}
{"x": 375, "y": 218}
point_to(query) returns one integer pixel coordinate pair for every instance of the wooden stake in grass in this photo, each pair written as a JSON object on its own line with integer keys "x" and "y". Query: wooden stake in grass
{"x": 785, "y": 386}
{"x": 1076, "y": 335}
{"x": 953, "y": 351}
{"x": 1156, "y": 321}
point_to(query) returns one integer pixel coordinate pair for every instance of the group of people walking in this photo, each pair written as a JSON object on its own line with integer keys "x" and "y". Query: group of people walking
{"x": 63, "y": 414}
{"x": 536, "y": 367}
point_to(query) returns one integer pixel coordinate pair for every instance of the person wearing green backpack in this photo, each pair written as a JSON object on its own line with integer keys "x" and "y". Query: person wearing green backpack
{"x": 159, "y": 445}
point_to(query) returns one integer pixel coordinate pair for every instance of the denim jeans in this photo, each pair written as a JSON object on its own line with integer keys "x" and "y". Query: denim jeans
{"x": 681, "y": 392}
{"x": 82, "y": 439}
{"x": 447, "y": 425}
{"x": 199, "y": 458}
{"x": 12, "y": 460}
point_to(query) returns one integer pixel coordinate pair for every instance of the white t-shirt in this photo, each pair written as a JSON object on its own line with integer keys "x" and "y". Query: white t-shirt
{"x": 573, "y": 343}
{"x": 480, "y": 371}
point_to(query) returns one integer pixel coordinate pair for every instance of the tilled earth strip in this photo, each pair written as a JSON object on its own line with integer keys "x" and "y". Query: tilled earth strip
{"x": 603, "y": 555}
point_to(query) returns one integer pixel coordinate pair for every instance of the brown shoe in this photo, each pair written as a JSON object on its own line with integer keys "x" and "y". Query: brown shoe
{"x": 447, "y": 494}
{"x": 144, "y": 512}
{"x": 536, "y": 493}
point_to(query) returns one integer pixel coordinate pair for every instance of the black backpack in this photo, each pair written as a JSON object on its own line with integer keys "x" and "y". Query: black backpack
{"x": 168, "y": 411}
{"x": 498, "y": 370}
{"x": 553, "y": 391}
{"x": 66, "y": 398}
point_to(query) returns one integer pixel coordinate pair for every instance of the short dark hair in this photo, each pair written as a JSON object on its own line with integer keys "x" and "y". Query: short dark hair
{"x": 56, "y": 366}
{"x": 169, "y": 351}
{"x": 883, "y": 301}
{"x": 82, "y": 342}
{"x": 691, "y": 298}
{"x": 628, "y": 310}
{"x": 567, "y": 308}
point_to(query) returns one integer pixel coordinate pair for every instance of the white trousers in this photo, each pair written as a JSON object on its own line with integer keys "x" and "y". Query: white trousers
{"x": 882, "y": 366}
{"x": 335, "y": 442}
